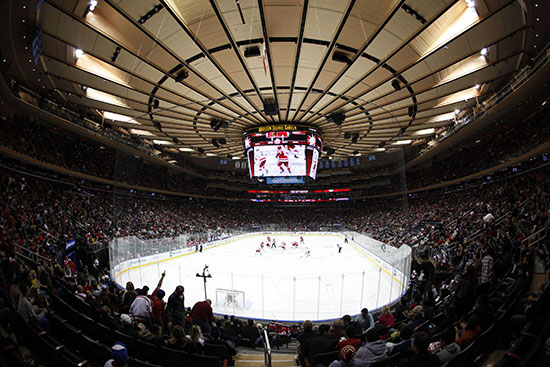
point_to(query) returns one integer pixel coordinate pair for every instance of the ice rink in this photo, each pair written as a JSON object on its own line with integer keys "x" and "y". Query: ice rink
{"x": 284, "y": 285}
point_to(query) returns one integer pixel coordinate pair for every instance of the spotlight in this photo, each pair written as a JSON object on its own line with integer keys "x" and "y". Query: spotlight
{"x": 181, "y": 75}
{"x": 93, "y": 4}
{"x": 337, "y": 118}
{"x": 484, "y": 51}
{"x": 175, "y": 140}
{"x": 78, "y": 53}
{"x": 116, "y": 53}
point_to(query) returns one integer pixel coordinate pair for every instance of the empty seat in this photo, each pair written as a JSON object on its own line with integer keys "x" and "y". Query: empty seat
{"x": 199, "y": 360}
{"x": 174, "y": 358}
{"x": 324, "y": 358}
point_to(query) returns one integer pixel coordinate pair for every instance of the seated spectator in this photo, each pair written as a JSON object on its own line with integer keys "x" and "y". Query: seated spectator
{"x": 470, "y": 330}
{"x": 417, "y": 317}
{"x": 366, "y": 320}
{"x": 404, "y": 340}
{"x": 302, "y": 338}
{"x": 177, "y": 338}
{"x": 127, "y": 326}
{"x": 337, "y": 330}
{"x": 485, "y": 312}
{"x": 348, "y": 358}
{"x": 448, "y": 348}
{"x": 374, "y": 350}
{"x": 250, "y": 334}
{"x": 119, "y": 354}
{"x": 320, "y": 344}
{"x": 215, "y": 339}
{"x": 387, "y": 318}
{"x": 194, "y": 343}
{"x": 28, "y": 312}
{"x": 422, "y": 357}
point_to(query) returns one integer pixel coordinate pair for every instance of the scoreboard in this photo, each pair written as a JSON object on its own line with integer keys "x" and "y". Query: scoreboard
{"x": 283, "y": 153}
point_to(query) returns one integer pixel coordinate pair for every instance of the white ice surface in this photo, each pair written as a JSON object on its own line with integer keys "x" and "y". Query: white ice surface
{"x": 280, "y": 284}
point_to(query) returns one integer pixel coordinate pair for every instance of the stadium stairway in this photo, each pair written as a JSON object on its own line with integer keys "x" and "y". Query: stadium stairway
{"x": 256, "y": 359}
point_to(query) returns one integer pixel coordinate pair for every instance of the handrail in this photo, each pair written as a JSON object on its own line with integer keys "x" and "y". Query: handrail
{"x": 31, "y": 252}
{"x": 535, "y": 234}
{"x": 267, "y": 350}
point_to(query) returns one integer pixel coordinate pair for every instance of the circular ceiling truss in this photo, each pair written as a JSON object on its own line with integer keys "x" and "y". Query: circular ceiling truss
{"x": 368, "y": 74}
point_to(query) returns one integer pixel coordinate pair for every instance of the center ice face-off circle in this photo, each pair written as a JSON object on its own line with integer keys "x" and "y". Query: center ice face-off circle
{"x": 277, "y": 276}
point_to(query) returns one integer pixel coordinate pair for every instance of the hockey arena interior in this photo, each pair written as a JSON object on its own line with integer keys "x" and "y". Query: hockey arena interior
{"x": 278, "y": 183}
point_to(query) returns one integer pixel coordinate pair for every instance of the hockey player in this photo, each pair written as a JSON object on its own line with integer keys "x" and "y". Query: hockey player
{"x": 262, "y": 170}
{"x": 283, "y": 246}
{"x": 282, "y": 157}
{"x": 262, "y": 245}
{"x": 301, "y": 240}
{"x": 339, "y": 248}
{"x": 258, "y": 251}
{"x": 308, "y": 252}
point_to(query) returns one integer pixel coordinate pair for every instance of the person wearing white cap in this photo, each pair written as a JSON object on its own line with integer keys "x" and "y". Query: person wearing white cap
{"x": 119, "y": 354}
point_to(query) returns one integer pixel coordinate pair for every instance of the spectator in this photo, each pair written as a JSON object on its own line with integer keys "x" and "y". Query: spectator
{"x": 202, "y": 315}
{"x": 318, "y": 345}
{"x": 193, "y": 345}
{"x": 374, "y": 350}
{"x": 175, "y": 308}
{"x": 448, "y": 348}
{"x": 348, "y": 358}
{"x": 366, "y": 320}
{"x": 140, "y": 310}
{"x": 422, "y": 357}
{"x": 177, "y": 338}
{"x": 386, "y": 318}
{"x": 119, "y": 354}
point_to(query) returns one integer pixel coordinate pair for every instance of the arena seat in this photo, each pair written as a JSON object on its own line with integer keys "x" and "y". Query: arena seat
{"x": 137, "y": 363}
{"x": 198, "y": 360}
{"x": 97, "y": 351}
{"x": 218, "y": 351}
{"x": 390, "y": 361}
{"x": 174, "y": 358}
{"x": 324, "y": 358}
{"x": 148, "y": 352}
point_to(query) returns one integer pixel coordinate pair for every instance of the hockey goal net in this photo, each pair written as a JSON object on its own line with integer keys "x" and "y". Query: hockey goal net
{"x": 230, "y": 298}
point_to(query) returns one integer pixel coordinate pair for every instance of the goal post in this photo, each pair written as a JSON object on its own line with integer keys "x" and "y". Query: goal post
{"x": 230, "y": 298}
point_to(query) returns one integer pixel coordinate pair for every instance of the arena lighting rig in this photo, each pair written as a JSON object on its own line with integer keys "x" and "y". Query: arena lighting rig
{"x": 282, "y": 154}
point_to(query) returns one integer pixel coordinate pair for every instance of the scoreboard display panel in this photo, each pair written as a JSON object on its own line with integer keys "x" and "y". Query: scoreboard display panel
{"x": 282, "y": 151}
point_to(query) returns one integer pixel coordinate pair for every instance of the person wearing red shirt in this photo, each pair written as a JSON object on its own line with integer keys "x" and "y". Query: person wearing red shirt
{"x": 387, "y": 318}
{"x": 157, "y": 304}
{"x": 202, "y": 315}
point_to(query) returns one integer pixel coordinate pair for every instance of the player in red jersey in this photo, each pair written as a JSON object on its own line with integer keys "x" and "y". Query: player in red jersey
{"x": 258, "y": 251}
{"x": 262, "y": 245}
{"x": 282, "y": 157}
{"x": 301, "y": 240}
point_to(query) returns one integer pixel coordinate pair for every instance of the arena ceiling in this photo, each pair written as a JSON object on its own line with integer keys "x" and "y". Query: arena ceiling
{"x": 192, "y": 75}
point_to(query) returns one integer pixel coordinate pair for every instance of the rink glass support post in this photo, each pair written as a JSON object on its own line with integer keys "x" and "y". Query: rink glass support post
{"x": 179, "y": 269}
{"x": 378, "y": 290}
{"x": 342, "y": 294}
{"x": 263, "y": 312}
{"x": 294, "y": 299}
{"x": 391, "y": 283}
{"x": 318, "y": 295}
{"x": 139, "y": 266}
{"x": 362, "y": 290}
{"x": 232, "y": 294}
{"x": 158, "y": 270}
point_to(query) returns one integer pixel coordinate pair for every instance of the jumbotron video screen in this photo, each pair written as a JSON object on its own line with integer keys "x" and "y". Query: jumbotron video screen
{"x": 282, "y": 153}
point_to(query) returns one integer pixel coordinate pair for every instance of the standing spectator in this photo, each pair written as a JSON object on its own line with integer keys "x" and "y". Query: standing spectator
{"x": 157, "y": 304}
{"x": 140, "y": 310}
{"x": 128, "y": 297}
{"x": 486, "y": 270}
{"x": 202, "y": 315}
{"x": 175, "y": 309}
{"x": 366, "y": 320}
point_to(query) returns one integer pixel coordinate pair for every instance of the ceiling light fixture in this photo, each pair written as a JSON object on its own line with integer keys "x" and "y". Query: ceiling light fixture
{"x": 78, "y": 53}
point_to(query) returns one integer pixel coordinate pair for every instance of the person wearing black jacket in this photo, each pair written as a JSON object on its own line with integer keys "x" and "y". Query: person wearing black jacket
{"x": 175, "y": 308}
